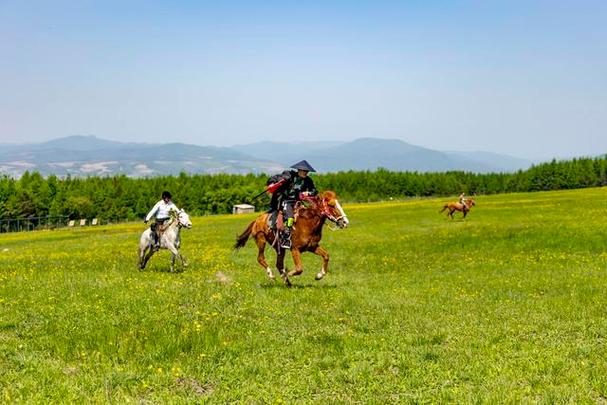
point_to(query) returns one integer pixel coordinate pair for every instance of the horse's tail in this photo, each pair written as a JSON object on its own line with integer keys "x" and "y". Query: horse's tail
{"x": 444, "y": 208}
{"x": 244, "y": 237}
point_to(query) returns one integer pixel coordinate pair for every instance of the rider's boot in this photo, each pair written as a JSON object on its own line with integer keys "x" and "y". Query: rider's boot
{"x": 285, "y": 239}
{"x": 156, "y": 241}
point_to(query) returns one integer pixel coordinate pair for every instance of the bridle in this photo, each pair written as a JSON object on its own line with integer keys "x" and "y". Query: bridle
{"x": 179, "y": 223}
{"x": 321, "y": 205}
{"x": 176, "y": 217}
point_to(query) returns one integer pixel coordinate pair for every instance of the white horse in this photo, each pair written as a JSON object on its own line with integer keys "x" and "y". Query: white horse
{"x": 169, "y": 240}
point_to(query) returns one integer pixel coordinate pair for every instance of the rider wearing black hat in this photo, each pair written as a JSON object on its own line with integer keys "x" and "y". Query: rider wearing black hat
{"x": 296, "y": 184}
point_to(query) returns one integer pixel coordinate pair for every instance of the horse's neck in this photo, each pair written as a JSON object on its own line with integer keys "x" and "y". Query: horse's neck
{"x": 316, "y": 221}
{"x": 173, "y": 227}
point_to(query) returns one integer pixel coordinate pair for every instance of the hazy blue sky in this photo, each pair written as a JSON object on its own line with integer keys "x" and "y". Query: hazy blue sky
{"x": 525, "y": 78}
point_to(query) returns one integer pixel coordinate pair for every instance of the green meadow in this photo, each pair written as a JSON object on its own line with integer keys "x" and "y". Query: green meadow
{"x": 508, "y": 305}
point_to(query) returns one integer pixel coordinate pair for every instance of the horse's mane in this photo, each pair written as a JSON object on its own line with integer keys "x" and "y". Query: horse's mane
{"x": 313, "y": 209}
{"x": 308, "y": 212}
{"x": 327, "y": 195}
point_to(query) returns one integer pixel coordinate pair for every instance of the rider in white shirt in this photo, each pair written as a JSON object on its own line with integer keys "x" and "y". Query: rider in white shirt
{"x": 161, "y": 212}
{"x": 462, "y": 201}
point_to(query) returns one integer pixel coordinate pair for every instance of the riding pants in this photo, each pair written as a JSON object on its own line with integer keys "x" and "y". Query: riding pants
{"x": 159, "y": 221}
{"x": 287, "y": 209}
{"x": 155, "y": 229}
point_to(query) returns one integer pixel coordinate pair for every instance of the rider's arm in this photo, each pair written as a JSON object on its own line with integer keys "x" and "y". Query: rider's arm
{"x": 152, "y": 212}
{"x": 286, "y": 175}
{"x": 309, "y": 186}
{"x": 274, "y": 179}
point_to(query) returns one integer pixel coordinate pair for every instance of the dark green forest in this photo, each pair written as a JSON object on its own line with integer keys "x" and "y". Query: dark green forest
{"x": 121, "y": 197}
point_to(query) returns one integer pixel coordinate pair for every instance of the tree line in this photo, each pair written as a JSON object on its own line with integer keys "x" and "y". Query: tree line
{"x": 123, "y": 197}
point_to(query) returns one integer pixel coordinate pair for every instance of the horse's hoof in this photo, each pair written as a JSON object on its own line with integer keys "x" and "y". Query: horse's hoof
{"x": 270, "y": 274}
{"x": 286, "y": 280}
{"x": 319, "y": 276}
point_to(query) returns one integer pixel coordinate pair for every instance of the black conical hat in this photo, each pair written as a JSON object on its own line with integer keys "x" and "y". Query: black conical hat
{"x": 303, "y": 165}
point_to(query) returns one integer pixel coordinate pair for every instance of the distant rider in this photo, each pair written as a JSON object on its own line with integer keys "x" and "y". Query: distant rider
{"x": 161, "y": 211}
{"x": 462, "y": 201}
{"x": 296, "y": 184}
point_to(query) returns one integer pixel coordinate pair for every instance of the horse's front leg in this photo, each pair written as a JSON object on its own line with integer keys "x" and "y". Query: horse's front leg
{"x": 325, "y": 261}
{"x": 175, "y": 253}
{"x": 296, "y": 254}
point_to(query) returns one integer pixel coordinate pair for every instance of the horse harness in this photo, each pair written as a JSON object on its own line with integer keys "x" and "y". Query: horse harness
{"x": 275, "y": 219}
{"x": 322, "y": 206}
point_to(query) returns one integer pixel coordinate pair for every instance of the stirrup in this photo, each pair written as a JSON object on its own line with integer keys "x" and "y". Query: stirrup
{"x": 285, "y": 240}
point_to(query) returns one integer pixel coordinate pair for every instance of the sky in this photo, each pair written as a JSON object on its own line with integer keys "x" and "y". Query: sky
{"x": 525, "y": 78}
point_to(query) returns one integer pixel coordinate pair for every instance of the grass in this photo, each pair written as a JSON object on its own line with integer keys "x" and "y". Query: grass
{"x": 506, "y": 306}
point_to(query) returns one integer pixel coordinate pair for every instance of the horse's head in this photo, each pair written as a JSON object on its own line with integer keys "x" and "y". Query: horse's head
{"x": 470, "y": 202}
{"x": 183, "y": 219}
{"x": 332, "y": 209}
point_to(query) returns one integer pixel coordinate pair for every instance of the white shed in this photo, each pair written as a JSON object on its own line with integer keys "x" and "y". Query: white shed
{"x": 243, "y": 209}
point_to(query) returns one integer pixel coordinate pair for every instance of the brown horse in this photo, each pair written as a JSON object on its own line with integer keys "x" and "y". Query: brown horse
{"x": 457, "y": 206}
{"x": 306, "y": 235}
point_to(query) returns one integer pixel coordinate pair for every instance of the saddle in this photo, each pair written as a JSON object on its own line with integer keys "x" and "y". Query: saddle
{"x": 159, "y": 229}
{"x": 276, "y": 219}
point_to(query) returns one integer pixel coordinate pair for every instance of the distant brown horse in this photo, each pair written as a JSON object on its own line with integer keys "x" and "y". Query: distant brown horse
{"x": 457, "y": 206}
{"x": 305, "y": 236}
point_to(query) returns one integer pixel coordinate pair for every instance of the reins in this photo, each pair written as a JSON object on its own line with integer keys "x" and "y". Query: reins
{"x": 174, "y": 218}
{"x": 323, "y": 208}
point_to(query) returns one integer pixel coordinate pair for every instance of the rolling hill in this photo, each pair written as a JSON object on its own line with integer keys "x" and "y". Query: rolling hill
{"x": 89, "y": 156}
{"x": 374, "y": 153}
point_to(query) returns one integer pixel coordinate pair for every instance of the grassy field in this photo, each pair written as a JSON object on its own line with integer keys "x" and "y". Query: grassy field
{"x": 506, "y": 306}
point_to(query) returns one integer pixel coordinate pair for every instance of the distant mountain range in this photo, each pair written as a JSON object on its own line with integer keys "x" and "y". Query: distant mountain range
{"x": 374, "y": 153}
{"x": 89, "y": 155}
